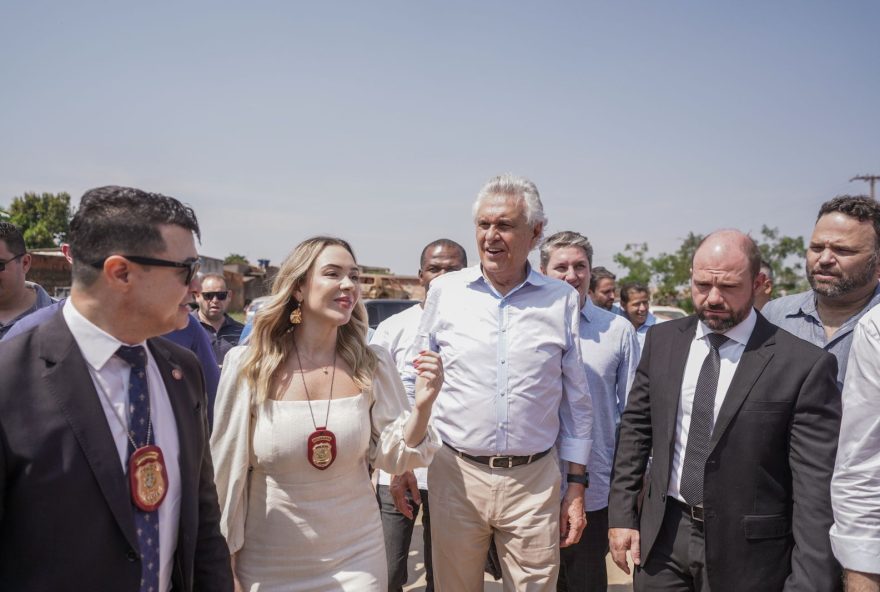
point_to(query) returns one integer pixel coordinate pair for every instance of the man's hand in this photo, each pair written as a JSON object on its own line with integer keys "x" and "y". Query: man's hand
{"x": 622, "y": 540}
{"x": 400, "y": 486}
{"x": 572, "y": 519}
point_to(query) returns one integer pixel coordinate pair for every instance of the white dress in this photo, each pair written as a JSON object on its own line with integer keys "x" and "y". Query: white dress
{"x": 294, "y": 527}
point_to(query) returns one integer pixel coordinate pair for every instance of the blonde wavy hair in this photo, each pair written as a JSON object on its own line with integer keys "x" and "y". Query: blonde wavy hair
{"x": 272, "y": 339}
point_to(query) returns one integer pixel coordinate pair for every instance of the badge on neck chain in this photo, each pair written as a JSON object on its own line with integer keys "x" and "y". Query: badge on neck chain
{"x": 322, "y": 448}
{"x": 148, "y": 477}
{"x": 321, "y": 445}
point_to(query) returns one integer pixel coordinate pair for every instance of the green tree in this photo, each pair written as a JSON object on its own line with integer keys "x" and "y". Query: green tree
{"x": 43, "y": 219}
{"x": 634, "y": 260}
{"x": 670, "y": 273}
{"x": 786, "y": 256}
{"x": 235, "y": 258}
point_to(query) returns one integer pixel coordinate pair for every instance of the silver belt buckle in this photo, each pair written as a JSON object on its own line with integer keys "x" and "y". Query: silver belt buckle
{"x": 492, "y": 460}
{"x": 696, "y": 513}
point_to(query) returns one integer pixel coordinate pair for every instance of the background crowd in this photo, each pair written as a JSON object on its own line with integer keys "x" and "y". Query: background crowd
{"x": 535, "y": 423}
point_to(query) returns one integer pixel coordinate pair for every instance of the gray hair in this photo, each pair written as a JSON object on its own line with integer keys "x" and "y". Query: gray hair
{"x": 564, "y": 239}
{"x": 514, "y": 186}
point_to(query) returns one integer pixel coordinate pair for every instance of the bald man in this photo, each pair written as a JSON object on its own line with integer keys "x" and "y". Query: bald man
{"x": 743, "y": 419}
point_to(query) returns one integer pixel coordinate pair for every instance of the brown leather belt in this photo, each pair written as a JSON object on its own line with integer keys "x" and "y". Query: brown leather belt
{"x": 501, "y": 462}
{"x": 695, "y": 512}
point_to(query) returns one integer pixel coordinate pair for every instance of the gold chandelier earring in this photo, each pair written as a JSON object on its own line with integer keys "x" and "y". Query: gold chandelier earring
{"x": 296, "y": 316}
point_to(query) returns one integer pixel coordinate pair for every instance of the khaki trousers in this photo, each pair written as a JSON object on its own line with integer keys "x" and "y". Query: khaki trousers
{"x": 470, "y": 502}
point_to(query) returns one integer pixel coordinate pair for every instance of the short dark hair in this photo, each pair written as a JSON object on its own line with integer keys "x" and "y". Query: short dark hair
{"x": 563, "y": 239}
{"x": 445, "y": 243}
{"x": 860, "y": 207}
{"x": 629, "y": 287}
{"x": 600, "y": 273}
{"x": 122, "y": 221}
{"x": 11, "y": 235}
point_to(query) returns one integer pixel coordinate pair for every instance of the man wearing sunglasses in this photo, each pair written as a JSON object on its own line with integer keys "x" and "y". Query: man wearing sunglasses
{"x": 105, "y": 470}
{"x": 213, "y": 303}
{"x": 18, "y": 298}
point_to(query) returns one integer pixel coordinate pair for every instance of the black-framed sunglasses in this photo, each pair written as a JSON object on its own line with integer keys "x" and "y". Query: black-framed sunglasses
{"x": 3, "y": 264}
{"x": 221, "y": 296}
{"x": 191, "y": 265}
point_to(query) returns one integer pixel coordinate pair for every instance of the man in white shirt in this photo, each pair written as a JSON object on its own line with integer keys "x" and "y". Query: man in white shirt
{"x": 742, "y": 418}
{"x": 396, "y": 334}
{"x": 515, "y": 397}
{"x": 855, "y": 487}
{"x": 105, "y": 472}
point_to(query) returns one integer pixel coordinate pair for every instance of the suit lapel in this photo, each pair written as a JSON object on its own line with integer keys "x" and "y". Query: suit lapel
{"x": 67, "y": 377}
{"x": 755, "y": 358}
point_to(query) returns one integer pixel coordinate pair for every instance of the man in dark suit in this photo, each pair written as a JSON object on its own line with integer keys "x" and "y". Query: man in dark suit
{"x": 106, "y": 480}
{"x": 743, "y": 419}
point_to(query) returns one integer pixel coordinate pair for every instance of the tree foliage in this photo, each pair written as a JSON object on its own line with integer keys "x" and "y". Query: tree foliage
{"x": 634, "y": 259}
{"x": 669, "y": 273}
{"x": 43, "y": 219}
{"x": 233, "y": 258}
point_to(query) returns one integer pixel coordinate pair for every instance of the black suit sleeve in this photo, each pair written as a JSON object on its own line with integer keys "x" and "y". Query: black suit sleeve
{"x": 212, "y": 570}
{"x": 633, "y": 448}
{"x": 812, "y": 449}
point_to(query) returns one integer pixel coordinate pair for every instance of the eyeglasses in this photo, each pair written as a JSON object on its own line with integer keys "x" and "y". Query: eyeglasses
{"x": 221, "y": 296}
{"x": 191, "y": 265}
{"x": 3, "y": 264}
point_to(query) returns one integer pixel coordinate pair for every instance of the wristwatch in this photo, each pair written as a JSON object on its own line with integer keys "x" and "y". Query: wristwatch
{"x": 582, "y": 479}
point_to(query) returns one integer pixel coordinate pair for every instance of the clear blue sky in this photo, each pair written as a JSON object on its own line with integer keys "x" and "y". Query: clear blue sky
{"x": 379, "y": 121}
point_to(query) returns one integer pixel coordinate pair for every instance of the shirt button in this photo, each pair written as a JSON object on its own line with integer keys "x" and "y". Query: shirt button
{"x": 503, "y": 361}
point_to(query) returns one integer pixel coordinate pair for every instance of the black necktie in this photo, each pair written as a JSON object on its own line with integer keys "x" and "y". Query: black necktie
{"x": 702, "y": 419}
{"x": 146, "y": 523}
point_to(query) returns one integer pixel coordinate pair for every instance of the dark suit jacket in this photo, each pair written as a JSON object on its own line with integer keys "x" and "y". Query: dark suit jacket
{"x": 767, "y": 500}
{"x": 66, "y": 519}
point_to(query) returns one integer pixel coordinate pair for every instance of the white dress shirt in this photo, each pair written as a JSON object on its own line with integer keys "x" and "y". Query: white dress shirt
{"x": 514, "y": 378}
{"x": 110, "y": 375}
{"x": 396, "y": 334}
{"x": 855, "y": 487}
{"x": 730, "y": 353}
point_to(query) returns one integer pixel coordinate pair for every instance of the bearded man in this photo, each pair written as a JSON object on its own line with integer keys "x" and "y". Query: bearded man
{"x": 742, "y": 418}
{"x": 843, "y": 263}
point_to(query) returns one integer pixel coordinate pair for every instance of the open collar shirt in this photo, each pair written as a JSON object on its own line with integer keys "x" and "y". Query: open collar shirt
{"x": 514, "y": 376}
{"x": 610, "y": 354}
{"x": 798, "y": 315}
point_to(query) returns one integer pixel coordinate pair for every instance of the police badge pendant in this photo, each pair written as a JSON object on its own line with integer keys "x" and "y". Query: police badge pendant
{"x": 321, "y": 445}
{"x": 148, "y": 477}
{"x": 321, "y": 449}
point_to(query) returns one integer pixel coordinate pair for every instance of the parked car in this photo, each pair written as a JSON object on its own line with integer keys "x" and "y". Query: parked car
{"x": 668, "y": 313}
{"x": 380, "y": 309}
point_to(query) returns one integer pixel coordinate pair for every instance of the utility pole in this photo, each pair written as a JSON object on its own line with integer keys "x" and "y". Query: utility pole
{"x": 872, "y": 179}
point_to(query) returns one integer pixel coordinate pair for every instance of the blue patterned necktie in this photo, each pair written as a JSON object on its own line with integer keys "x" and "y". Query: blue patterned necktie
{"x": 146, "y": 523}
{"x": 702, "y": 419}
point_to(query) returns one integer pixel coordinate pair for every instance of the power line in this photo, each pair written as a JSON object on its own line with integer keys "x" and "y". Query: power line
{"x": 872, "y": 179}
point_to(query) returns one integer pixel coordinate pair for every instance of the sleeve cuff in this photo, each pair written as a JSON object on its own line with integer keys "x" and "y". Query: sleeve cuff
{"x": 575, "y": 450}
{"x": 856, "y": 554}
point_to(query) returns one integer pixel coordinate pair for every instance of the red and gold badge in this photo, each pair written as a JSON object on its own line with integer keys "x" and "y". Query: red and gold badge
{"x": 147, "y": 477}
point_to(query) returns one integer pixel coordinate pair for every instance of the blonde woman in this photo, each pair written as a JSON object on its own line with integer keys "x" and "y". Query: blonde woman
{"x": 300, "y": 413}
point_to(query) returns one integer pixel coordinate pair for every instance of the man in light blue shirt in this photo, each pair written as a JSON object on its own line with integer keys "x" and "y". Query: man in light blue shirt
{"x": 843, "y": 264}
{"x": 515, "y": 393}
{"x": 610, "y": 356}
{"x": 635, "y": 305}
